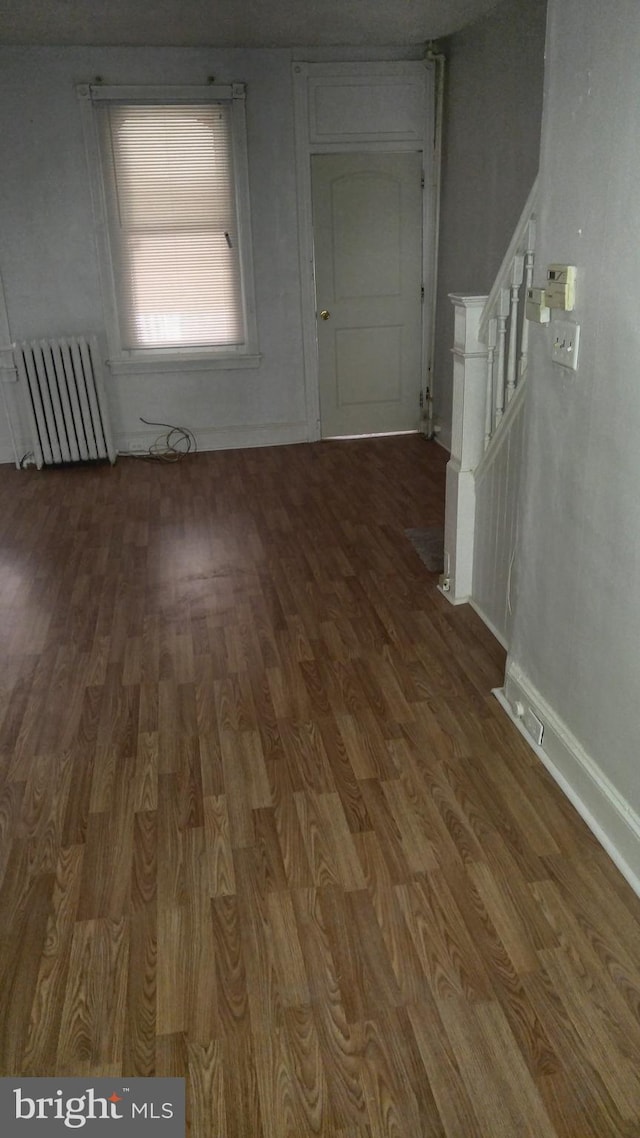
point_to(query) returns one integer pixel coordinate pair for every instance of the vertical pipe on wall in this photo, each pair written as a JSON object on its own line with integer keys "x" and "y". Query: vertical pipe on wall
{"x": 433, "y": 55}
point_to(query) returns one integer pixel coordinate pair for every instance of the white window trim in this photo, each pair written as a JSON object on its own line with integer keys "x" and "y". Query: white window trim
{"x": 123, "y": 361}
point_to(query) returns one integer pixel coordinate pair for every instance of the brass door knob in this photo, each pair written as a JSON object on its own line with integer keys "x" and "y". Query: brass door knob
{"x": 325, "y": 314}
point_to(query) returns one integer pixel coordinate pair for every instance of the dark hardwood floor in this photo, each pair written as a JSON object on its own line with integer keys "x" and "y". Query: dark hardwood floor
{"x": 263, "y": 825}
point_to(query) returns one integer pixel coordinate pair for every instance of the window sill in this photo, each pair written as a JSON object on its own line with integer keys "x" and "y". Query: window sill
{"x": 182, "y": 363}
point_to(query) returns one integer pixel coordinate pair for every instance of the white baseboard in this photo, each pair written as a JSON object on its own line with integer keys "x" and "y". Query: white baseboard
{"x": 208, "y": 438}
{"x": 222, "y": 438}
{"x": 489, "y": 623}
{"x": 6, "y": 454}
{"x": 608, "y": 815}
{"x": 443, "y": 439}
{"x": 451, "y": 598}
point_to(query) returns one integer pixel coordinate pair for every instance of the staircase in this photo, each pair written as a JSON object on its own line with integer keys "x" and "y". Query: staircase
{"x": 490, "y": 351}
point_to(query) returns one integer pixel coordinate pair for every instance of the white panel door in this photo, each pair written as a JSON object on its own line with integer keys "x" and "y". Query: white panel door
{"x": 367, "y": 227}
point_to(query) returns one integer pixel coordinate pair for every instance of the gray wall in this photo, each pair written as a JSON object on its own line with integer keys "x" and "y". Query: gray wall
{"x": 576, "y": 630}
{"x": 47, "y": 247}
{"x": 493, "y": 110}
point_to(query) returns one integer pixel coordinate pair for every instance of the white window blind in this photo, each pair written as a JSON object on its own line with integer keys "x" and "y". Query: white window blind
{"x": 173, "y": 222}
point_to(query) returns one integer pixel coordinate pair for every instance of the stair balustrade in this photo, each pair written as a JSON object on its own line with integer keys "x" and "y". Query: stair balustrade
{"x": 490, "y": 354}
{"x": 504, "y": 328}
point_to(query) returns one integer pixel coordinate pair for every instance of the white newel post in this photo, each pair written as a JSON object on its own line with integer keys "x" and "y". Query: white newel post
{"x": 467, "y": 447}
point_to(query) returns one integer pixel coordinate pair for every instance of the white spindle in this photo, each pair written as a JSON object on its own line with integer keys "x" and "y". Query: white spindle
{"x": 503, "y": 312}
{"x": 517, "y": 271}
{"x": 528, "y": 281}
{"x": 491, "y": 352}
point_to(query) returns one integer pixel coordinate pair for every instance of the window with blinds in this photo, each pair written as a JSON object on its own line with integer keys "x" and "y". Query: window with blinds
{"x": 171, "y": 196}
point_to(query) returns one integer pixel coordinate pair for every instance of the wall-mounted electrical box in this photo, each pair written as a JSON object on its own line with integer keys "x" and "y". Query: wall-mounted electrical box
{"x": 536, "y": 307}
{"x": 561, "y": 287}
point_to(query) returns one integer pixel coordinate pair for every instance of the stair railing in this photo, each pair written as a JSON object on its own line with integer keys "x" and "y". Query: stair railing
{"x": 504, "y": 328}
{"x": 490, "y": 354}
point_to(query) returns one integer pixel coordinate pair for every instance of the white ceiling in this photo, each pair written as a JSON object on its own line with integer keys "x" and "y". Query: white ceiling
{"x": 235, "y": 23}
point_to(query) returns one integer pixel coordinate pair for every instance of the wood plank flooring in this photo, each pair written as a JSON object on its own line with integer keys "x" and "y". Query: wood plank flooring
{"x": 263, "y": 826}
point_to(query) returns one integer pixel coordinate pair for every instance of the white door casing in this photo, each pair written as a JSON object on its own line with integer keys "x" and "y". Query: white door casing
{"x": 367, "y": 224}
{"x": 381, "y": 107}
{"x": 10, "y": 409}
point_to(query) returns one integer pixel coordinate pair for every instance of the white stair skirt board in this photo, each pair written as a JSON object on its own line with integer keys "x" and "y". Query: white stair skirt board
{"x": 607, "y": 814}
{"x": 497, "y": 488}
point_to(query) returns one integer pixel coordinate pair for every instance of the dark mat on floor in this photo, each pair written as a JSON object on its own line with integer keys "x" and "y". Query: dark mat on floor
{"x": 429, "y": 545}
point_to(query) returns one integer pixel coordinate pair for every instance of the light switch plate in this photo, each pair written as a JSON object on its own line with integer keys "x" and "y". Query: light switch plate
{"x": 565, "y": 343}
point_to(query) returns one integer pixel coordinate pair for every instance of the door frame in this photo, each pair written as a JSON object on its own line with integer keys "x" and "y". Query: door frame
{"x": 411, "y": 82}
{"x": 8, "y": 381}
